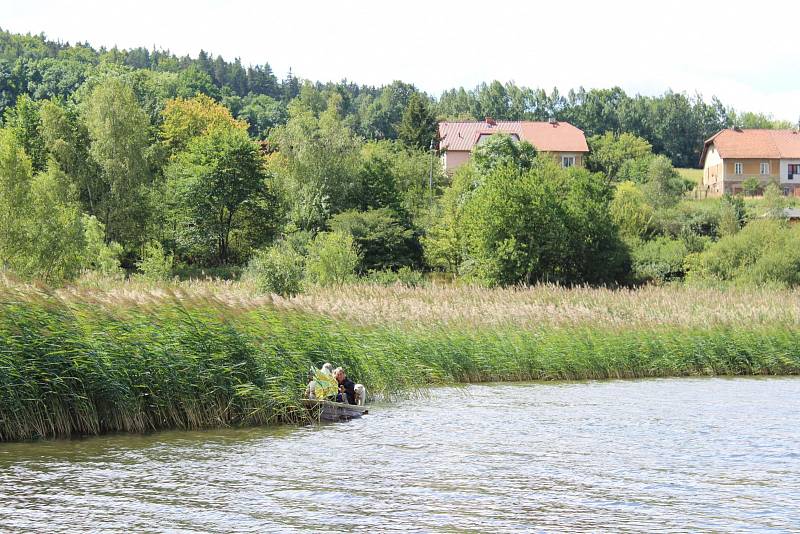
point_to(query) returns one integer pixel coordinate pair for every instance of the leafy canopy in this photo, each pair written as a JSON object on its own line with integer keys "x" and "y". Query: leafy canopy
{"x": 215, "y": 186}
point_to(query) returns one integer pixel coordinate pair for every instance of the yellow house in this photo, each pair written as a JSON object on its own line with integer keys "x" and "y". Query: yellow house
{"x": 562, "y": 140}
{"x": 733, "y": 155}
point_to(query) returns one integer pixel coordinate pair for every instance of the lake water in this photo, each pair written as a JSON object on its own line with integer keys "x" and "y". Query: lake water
{"x": 716, "y": 455}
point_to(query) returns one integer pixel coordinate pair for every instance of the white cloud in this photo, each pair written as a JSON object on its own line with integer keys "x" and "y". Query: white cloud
{"x": 744, "y": 52}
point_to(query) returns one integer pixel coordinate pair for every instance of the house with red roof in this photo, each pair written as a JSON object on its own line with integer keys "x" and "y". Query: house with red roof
{"x": 565, "y": 142}
{"x": 733, "y": 155}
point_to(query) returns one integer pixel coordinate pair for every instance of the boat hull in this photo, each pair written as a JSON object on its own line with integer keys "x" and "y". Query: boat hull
{"x": 334, "y": 411}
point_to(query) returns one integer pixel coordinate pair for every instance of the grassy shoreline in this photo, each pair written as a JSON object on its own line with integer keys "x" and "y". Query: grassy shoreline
{"x": 81, "y": 361}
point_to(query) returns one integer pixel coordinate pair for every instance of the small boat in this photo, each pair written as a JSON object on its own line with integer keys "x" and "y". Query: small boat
{"x": 334, "y": 411}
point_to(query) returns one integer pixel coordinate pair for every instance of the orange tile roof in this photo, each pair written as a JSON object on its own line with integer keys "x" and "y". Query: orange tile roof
{"x": 754, "y": 144}
{"x": 545, "y": 136}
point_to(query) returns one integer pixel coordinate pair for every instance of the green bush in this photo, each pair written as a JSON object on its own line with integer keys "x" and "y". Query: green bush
{"x": 332, "y": 259}
{"x": 611, "y": 153}
{"x": 546, "y": 224}
{"x": 100, "y": 257}
{"x": 630, "y": 211}
{"x": 732, "y": 214}
{"x": 660, "y": 260}
{"x": 665, "y": 186}
{"x": 750, "y": 186}
{"x": 155, "y": 264}
{"x": 699, "y": 218}
{"x": 635, "y": 170}
{"x": 384, "y": 240}
{"x": 765, "y": 252}
{"x": 278, "y": 269}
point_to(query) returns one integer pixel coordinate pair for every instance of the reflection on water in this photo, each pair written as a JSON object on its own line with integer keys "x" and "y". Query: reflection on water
{"x": 676, "y": 455}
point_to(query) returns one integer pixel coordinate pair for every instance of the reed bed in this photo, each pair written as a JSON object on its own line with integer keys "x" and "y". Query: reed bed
{"x": 137, "y": 358}
{"x": 551, "y": 306}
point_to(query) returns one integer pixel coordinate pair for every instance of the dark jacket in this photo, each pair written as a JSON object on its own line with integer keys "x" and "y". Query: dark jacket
{"x": 350, "y": 391}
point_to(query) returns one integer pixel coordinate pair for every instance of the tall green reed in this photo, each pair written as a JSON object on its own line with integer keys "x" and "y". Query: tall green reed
{"x": 74, "y": 363}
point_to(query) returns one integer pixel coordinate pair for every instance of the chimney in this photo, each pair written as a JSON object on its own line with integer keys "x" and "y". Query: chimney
{"x": 490, "y": 121}
{"x": 553, "y": 121}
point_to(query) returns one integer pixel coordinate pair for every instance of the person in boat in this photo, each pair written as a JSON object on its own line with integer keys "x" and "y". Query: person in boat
{"x": 347, "y": 392}
{"x": 317, "y": 383}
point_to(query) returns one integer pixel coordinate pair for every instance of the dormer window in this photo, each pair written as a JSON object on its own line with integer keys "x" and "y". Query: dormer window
{"x": 484, "y": 136}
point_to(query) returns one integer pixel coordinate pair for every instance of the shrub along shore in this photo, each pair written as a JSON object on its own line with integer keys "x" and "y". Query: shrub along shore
{"x": 83, "y": 362}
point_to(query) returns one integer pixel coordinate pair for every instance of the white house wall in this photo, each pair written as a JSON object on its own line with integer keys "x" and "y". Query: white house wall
{"x": 785, "y": 171}
{"x": 712, "y": 156}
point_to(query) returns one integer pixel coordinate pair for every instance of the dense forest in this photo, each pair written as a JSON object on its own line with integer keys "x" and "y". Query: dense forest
{"x": 138, "y": 161}
{"x": 675, "y": 124}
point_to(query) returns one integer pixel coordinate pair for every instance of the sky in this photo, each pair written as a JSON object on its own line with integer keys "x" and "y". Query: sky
{"x": 745, "y": 53}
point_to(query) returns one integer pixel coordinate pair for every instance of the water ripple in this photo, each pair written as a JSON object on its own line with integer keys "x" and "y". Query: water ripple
{"x": 672, "y": 455}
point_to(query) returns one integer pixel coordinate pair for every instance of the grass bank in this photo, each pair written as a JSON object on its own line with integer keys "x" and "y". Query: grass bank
{"x": 135, "y": 359}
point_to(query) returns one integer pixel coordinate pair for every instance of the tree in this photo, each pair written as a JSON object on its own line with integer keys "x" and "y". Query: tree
{"x": 546, "y": 224}
{"x": 262, "y": 81}
{"x": 493, "y": 100}
{"x": 55, "y": 231}
{"x": 608, "y": 152}
{"x": 67, "y": 141}
{"x": 384, "y": 241}
{"x": 317, "y": 163}
{"x": 262, "y": 114}
{"x": 443, "y": 243}
{"x": 185, "y": 119}
{"x": 382, "y": 118}
{"x": 41, "y": 235}
{"x": 659, "y": 260}
{"x": 501, "y": 150}
{"x": 763, "y": 252}
{"x": 56, "y": 78}
{"x": 392, "y": 175}
{"x": 630, "y": 211}
{"x": 193, "y": 82}
{"x": 99, "y": 256}
{"x": 119, "y": 133}
{"x": 155, "y": 264}
{"x": 214, "y": 188}
{"x": 664, "y": 187}
{"x": 418, "y": 127}
{"x": 23, "y": 119}
{"x": 634, "y": 170}
{"x": 760, "y": 120}
{"x": 15, "y": 178}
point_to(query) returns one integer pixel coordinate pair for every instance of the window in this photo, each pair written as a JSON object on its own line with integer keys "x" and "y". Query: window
{"x": 794, "y": 170}
{"x": 737, "y": 168}
{"x": 567, "y": 161}
{"x": 764, "y": 168}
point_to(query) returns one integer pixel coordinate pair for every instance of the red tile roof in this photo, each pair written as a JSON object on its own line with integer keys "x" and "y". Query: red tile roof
{"x": 545, "y": 136}
{"x": 754, "y": 144}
